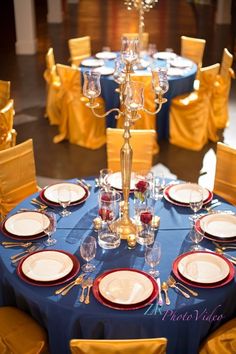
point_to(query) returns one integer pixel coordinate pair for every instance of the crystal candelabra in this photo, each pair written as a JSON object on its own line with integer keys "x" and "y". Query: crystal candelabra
{"x": 141, "y": 6}
{"x": 131, "y": 102}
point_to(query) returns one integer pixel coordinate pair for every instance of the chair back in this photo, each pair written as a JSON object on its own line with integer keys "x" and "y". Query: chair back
{"x": 142, "y": 142}
{"x": 4, "y": 92}
{"x": 225, "y": 174}
{"x": 79, "y": 48}
{"x": 50, "y": 74}
{"x": 226, "y": 63}
{"x": 193, "y": 48}
{"x": 7, "y": 133}
{"x": 207, "y": 77}
{"x": 17, "y": 175}
{"x": 113, "y": 346}
{"x": 145, "y": 38}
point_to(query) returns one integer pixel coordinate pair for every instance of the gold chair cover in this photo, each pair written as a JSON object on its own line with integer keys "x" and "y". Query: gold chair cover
{"x": 79, "y": 48}
{"x": 20, "y": 333}
{"x": 225, "y": 175}
{"x": 133, "y": 35}
{"x": 221, "y": 91}
{"x": 78, "y": 124}
{"x": 4, "y": 92}
{"x": 116, "y": 346}
{"x": 17, "y": 175}
{"x": 142, "y": 142}
{"x": 191, "y": 116}
{"x": 147, "y": 121}
{"x": 7, "y": 133}
{"x": 53, "y": 110}
{"x": 222, "y": 341}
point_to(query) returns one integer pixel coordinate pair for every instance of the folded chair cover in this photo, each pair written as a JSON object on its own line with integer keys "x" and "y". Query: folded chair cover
{"x": 225, "y": 175}
{"x": 53, "y": 109}
{"x": 7, "y": 133}
{"x": 20, "y": 333}
{"x": 142, "y": 143}
{"x": 116, "y": 346}
{"x": 17, "y": 175}
{"x": 78, "y": 124}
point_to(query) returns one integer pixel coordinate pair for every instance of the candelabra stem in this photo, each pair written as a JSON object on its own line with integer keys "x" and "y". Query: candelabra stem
{"x": 141, "y": 26}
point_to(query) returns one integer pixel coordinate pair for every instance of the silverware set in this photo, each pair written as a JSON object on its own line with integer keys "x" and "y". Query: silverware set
{"x": 39, "y": 204}
{"x": 85, "y": 284}
{"x": 17, "y": 257}
{"x": 172, "y": 283}
{"x": 8, "y": 244}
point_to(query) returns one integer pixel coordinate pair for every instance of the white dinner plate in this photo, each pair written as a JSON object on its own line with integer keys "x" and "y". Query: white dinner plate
{"x": 27, "y": 223}
{"x": 221, "y": 225}
{"x": 77, "y": 192}
{"x": 93, "y": 63}
{"x": 47, "y": 265}
{"x": 203, "y": 267}
{"x": 125, "y": 287}
{"x": 115, "y": 180}
{"x": 164, "y": 55}
{"x": 106, "y": 55}
{"x": 104, "y": 70}
{"x": 180, "y": 62}
{"x": 175, "y": 72}
{"x": 181, "y": 192}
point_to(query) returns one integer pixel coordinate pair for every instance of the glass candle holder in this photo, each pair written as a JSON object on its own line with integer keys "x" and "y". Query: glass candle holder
{"x": 92, "y": 86}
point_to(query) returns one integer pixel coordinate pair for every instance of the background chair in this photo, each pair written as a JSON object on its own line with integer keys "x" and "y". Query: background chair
{"x": 4, "y": 93}
{"x": 223, "y": 340}
{"x": 221, "y": 91}
{"x": 20, "y": 333}
{"x": 17, "y": 175}
{"x": 145, "y": 38}
{"x": 78, "y": 124}
{"x": 79, "y": 48}
{"x": 112, "y": 346}
{"x": 191, "y": 119}
{"x": 225, "y": 175}
{"x": 53, "y": 111}
{"x": 142, "y": 142}
{"x": 7, "y": 133}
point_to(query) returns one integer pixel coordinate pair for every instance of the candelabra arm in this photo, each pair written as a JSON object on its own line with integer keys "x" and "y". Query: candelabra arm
{"x": 160, "y": 100}
{"x": 107, "y": 113}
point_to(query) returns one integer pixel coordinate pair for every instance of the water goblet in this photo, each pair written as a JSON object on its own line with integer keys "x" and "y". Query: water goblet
{"x": 88, "y": 251}
{"x": 104, "y": 175}
{"x": 196, "y": 237}
{"x": 152, "y": 258}
{"x": 195, "y": 202}
{"x": 64, "y": 199}
{"x": 49, "y": 227}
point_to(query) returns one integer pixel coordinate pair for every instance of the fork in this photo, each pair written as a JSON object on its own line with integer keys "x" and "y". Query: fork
{"x": 76, "y": 282}
{"x": 38, "y": 204}
{"x": 30, "y": 250}
{"x": 89, "y": 285}
{"x": 171, "y": 284}
{"x": 192, "y": 292}
{"x": 212, "y": 206}
{"x": 224, "y": 248}
{"x": 70, "y": 285}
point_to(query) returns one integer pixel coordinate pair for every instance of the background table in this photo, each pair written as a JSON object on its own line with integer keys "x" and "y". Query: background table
{"x": 66, "y": 318}
{"x": 177, "y": 85}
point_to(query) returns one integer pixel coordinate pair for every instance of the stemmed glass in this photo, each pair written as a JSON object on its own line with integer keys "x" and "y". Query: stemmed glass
{"x": 104, "y": 178}
{"x": 196, "y": 237}
{"x": 195, "y": 202}
{"x": 88, "y": 251}
{"x": 49, "y": 227}
{"x": 64, "y": 199}
{"x": 152, "y": 258}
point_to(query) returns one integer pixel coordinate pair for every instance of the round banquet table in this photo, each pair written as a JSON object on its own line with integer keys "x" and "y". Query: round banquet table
{"x": 185, "y": 323}
{"x": 178, "y": 85}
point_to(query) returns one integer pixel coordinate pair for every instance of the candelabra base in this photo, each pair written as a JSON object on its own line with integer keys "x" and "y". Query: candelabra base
{"x": 125, "y": 227}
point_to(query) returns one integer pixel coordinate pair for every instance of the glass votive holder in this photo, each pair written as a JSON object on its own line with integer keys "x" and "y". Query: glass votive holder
{"x": 108, "y": 238}
{"x": 97, "y": 223}
{"x": 145, "y": 236}
{"x": 131, "y": 241}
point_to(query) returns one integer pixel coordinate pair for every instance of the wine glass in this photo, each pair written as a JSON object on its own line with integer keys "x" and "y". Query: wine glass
{"x": 64, "y": 199}
{"x": 49, "y": 227}
{"x": 88, "y": 251}
{"x": 195, "y": 202}
{"x": 152, "y": 258}
{"x": 196, "y": 237}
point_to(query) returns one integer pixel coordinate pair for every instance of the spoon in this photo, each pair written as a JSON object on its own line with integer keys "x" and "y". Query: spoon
{"x": 164, "y": 288}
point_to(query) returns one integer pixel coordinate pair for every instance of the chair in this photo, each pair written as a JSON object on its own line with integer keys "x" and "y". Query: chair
{"x": 79, "y": 48}
{"x": 191, "y": 117}
{"x": 7, "y": 133}
{"x": 193, "y": 49}
{"x": 113, "y": 346}
{"x": 4, "y": 93}
{"x": 20, "y": 333}
{"x": 222, "y": 341}
{"x": 220, "y": 96}
{"x": 142, "y": 142}
{"x": 78, "y": 123}
{"x": 17, "y": 175}
{"x": 147, "y": 121}
{"x": 53, "y": 111}
{"x": 225, "y": 175}
{"x": 145, "y": 38}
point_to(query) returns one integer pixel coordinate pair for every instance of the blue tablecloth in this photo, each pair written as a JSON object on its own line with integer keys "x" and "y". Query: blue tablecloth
{"x": 177, "y": 85}
{"x": 185, "y": 323}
